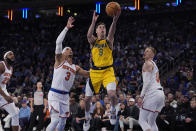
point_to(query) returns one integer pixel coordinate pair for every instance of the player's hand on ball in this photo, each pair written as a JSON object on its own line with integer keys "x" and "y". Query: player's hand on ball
{"x": 95, "y": 16}
{"x": 116, "y": 16}
{"x": 70, "y": 22}
{"x": 9, "y": 99}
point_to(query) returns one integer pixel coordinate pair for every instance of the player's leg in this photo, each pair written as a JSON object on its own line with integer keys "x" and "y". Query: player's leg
{"x": 152, "y": 121}
{"x": 90, "y": 88}
{"x": 111, "y": 90}
{"x": 143, "y": 120}
{"x": 110, "y": 83}
{"x": 54, "y": 114}
{"x": 14, "y": 113}
{"x": 88, "y": 96}
{"x": 63, "y": 114}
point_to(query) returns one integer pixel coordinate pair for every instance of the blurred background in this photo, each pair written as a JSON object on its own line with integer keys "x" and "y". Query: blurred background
{"x": 30, "y": 28}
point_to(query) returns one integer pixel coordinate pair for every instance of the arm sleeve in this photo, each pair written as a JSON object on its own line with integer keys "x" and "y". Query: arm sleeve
{"x": 146, "y": 83}
{"x": 59, "y": 41}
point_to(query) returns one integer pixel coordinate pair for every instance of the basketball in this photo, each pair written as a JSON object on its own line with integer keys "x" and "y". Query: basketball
{"x": 112, "y": 8}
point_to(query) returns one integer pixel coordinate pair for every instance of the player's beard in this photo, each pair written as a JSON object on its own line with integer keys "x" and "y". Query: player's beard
{"x": 70, "y": 56}
{"x": 10, "y": 62}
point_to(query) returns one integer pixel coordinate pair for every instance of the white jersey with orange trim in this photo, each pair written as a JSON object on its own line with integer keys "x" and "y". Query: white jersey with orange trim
{"x": 63, "y": 76}
{"x": 5, "y": 77}
{"x": 155, "y": 81}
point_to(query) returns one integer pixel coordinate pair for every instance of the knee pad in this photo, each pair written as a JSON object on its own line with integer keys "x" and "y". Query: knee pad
{"x": 15, "y": 120}
{"x": 61, "y": 124}
{"x": 111, "y": 86}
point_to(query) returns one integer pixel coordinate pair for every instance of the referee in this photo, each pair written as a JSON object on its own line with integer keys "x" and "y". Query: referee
{"x": 38, "y": 108}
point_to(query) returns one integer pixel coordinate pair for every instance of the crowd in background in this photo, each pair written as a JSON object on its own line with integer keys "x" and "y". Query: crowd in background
{"x": 33, "y": 42}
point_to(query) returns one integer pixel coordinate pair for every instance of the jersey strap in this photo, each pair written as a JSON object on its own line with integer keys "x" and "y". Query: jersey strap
{"x": 58, "y": 91}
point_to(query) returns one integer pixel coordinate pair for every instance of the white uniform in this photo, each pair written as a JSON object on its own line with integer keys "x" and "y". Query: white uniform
{"x": 63, "y": 79}
{"x": 4, "y": 78}
{"x": 154, "y": 99}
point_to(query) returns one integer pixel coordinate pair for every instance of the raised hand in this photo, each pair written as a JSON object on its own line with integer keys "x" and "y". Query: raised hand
{"x": 70, "y": 22}
{"x": 95, "y": 16}
{"x": 116, "y": 16}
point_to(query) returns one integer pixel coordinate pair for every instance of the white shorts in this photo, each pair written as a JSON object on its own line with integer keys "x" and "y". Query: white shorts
{"x": 154, "y": 102}
{"x": 9, "y": 107}
{"x": 59, "y": 104}
{"x": 88, "y": 90}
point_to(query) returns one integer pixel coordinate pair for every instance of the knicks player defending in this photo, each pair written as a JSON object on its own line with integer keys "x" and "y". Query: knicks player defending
{"x": 63, "y": 79}
{"x": 6, "y": 101}
{"x": 101, "y": 72}
{"x": 152, "y": 97}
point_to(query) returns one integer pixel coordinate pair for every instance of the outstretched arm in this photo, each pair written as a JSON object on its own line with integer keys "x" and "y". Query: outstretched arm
{"x": 82, "y": 72}
{"x": 90, "y": 36}
{"x": 59, "y": 41}
{"x": 112, "y": 29}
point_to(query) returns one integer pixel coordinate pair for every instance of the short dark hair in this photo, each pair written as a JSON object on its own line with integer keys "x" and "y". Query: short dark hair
{"x": 100, "y": 23}
{"x": 152, "y": 49}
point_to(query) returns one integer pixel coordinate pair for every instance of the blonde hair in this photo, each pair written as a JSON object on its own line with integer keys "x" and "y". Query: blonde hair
{"x": 152, "y": 49}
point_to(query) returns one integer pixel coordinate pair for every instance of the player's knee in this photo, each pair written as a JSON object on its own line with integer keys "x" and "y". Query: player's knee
{"x": 61, "y": 124}
{"x": 15, "y": 120}
{"x": 111, "y": 86}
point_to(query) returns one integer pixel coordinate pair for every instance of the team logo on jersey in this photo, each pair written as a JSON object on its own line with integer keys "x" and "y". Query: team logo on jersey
{"x": 69, "y": 68}
{"x": 101, "y": 45}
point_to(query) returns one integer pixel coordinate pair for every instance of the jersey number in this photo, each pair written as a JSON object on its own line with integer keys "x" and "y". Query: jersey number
{"x": 5, "y": 81}
{"x": 100, "y": 51}
{"x": 157, "y": 77}
{"x": 68, "y": 76}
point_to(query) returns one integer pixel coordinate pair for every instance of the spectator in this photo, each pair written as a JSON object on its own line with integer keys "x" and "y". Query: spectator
{"x": 24, "y": 116}
{"x": 80, "y": 117}
{"x": 97, "y": 117}
{"x": 132, "y": 119}
{"x": 38, "y": 108}
{"x": 165, "y": 118}
{"x": 190, "y": 120}
{"x": 106, "y": 117}
{"x": 123, "y": 114}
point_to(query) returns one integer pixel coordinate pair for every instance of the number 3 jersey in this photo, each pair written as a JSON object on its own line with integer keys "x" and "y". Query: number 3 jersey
{"x": 63, "y": 76}
{"x": 5, "y": 77}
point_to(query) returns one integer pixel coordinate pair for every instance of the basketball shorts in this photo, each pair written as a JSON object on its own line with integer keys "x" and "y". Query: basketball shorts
{"x": 98, "y": 78}
{"x": 59, "y": 104}
{"x": 154, "y": 102}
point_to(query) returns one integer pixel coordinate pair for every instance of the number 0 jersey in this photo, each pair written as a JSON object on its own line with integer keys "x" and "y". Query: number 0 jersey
{"x": 63, "y": 76}
{"x": 101, "y": 54}
{"x": 155, "y": 81}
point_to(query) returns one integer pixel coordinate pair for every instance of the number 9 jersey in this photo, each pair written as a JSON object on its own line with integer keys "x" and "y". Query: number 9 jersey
{"x": 101, "y": 72}
{"x": 101, "y": 54}
{"x": 63, "y": 77}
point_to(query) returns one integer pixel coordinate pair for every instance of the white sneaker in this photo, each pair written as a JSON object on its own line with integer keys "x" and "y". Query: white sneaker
{"x": 86, "y": 125}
